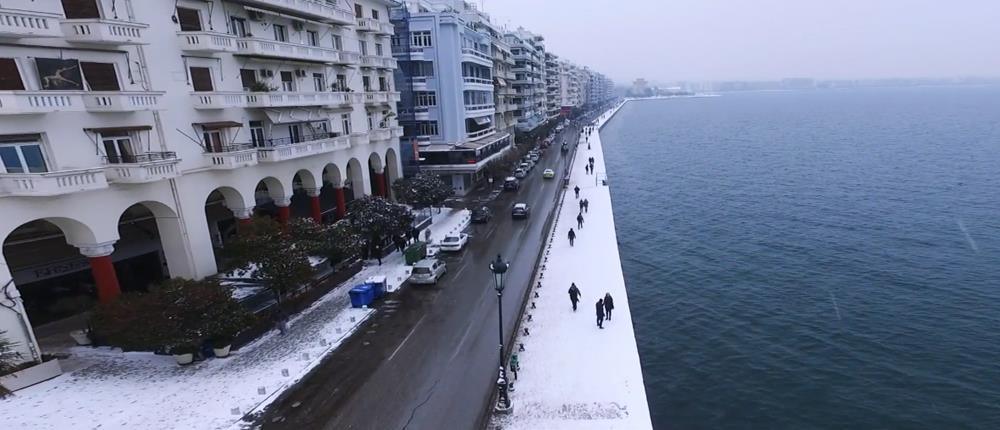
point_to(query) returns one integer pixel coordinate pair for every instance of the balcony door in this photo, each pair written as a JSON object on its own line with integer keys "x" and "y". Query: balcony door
{"x": 295, "y": 133}
{"x": 287, "y": 81}
{"x": 201, "y": 79}
{"x": 100, "y": 76}
{"x": 257, "y": 134}
{"x": 81, "y": 9}
{"x": 239, "y": 26}
{"x": 189, "y": 19}
{"x": 248, "y": 77}
{"x": 10, "y": 77}
{"x": 319, "y": 82}
{"x": 213, "y": 141}
{"x": 21, "y": 154}
{"x": 118, "y": 147}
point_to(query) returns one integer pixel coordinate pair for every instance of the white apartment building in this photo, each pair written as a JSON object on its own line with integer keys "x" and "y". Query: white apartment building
{"x": 135, "y": 136}
{"x": 553, "y": 85}
{"x": 571, "y": 79}
{"x": 529, "y": 78}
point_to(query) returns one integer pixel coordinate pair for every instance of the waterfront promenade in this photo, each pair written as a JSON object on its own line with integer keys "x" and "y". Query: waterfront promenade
{"x": 572, "y": 374}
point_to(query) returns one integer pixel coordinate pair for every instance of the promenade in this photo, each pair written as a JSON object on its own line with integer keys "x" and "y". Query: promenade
{"x": 574, "y": 375}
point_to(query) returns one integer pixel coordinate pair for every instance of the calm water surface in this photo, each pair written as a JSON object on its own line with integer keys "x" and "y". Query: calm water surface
{"x": 816, "y": 259}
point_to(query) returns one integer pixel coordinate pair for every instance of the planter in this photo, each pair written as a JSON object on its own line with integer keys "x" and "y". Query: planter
{"x": 31, "y": 376}
{"x": 81, "y": 337}
{"x": 183, "y": 359}
{"x": 222, "y": 352}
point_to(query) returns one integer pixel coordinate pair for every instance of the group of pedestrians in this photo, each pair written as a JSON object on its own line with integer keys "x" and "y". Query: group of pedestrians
{"x": 604, "y": 305}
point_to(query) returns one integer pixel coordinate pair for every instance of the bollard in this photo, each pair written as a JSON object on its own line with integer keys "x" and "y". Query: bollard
{"x": 352, "y": 320}
{"x": 323, "y": 342}
{"x": 305, "y": 356}
{"x": 235, "y": 411}
{"x": 339, "y": 330}
{"x": 261, "y": 390}
{"x": 526, "y": 332}
{"x": 284, "y": 372}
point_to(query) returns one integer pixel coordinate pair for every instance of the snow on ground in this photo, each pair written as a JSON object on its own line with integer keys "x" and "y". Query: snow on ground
{"x": 574, "y": 375}
{"x": 105, "y": 388}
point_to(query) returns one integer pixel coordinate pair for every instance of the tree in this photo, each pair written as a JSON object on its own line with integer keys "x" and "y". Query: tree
{"x": 8, "y": 360}
{"x": 377, "y": 218}
{"x": 423, "y": 190}
{"x": 337, "y": 242}
{"x": 271, "y": 256}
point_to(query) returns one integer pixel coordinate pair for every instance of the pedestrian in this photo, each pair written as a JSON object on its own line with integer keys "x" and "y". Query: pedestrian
{"x": 576, "y": 189}
{"x": 574, "y": 295}
{"x": 581, "y": 204}
{"x": 586, "y": 205}
{"x": 579, "y": 221}
{"x": 609, "y": 304}
{"x": 600, "y": 313}
{"x": 572, "y": 236}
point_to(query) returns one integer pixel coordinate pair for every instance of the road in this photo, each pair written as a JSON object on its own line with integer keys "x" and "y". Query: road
{"x": 428, "y": 357}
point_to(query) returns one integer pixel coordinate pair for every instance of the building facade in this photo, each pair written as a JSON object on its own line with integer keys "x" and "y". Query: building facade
{"x": 133, "y": 145}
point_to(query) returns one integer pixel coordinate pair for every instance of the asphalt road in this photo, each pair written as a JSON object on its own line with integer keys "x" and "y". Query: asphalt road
{"x": 428, "y": 357}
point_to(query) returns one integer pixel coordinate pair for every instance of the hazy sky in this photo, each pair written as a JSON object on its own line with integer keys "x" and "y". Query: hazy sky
{"x": 665, "y": 40}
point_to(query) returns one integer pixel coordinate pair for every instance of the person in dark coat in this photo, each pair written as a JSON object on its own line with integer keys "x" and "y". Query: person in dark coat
{"x": 572, "y": 236}
{"x": 581, "y": 204}
{"x": 609, "y": 304}
{"x": 600, "y": 313}
{"x": 579, "y": 221}
{"x": 586, "y": 205}
{"x": 574, "y": 295}
{"x": 576, "y": 189}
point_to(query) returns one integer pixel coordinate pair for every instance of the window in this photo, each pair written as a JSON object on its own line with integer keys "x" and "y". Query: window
{"x": 342, "y": 82}
{"x": 80, "y": 9}
{"x": 371, "y": 120}
{"x": 427, "y": 128}
{"x": 366, "y": 83}
{"x": 188, "y": 19}
{"x": 312, "y": 37}
{"x": 10, "y": 78}
{"x": 375, "y": 14}
{"x": 118, "y": 147}
{"x": 239, "y": 26}
{"x": 295, "y": 133}
{"x": 345, "y": 122}
{"x": 338, "y": 42}
{"x": 22, "y": 154}
{"x": 257, "y": 133}
{"x": 358, "y": 11}
{"x": 248, "y": 77}
{"x": 383, "y": 85}
{"x": 100, "y": 76}
{"x": 420, "y": 38}
{"x": 425, "y": 98}
{"x": 287, "y": 81}
{"x": 213, "y": 141}
{"x": 363, "y": 47}
{"x": 378, "y": 49}
{"x": 319, "y": 82}
{"x": 280, "y": 33}
{"x": 201, "y": 79}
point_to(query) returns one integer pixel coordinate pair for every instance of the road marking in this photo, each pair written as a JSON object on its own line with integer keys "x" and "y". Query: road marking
{"x": 412, "y": 330}
{"x": 462, "y": 342}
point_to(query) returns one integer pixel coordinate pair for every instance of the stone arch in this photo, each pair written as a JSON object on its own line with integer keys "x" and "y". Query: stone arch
{"x": 332, "y": 175}
{"x": 391, "y": 170}
{"x": 232, "y": 198}
{"x": 274, "y": 189}
{"x": 304, "y": 189}
{"x": 376, "y": 175}
{"x": 355, "y": 181}
{"x": 173, "y": 258}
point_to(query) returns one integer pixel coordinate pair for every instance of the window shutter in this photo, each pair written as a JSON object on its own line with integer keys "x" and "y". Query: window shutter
{"x": 100, "y": 76}
{"x": 189, "y": 19}
{"x": 76, "y": 9}
{"x": 10, "y": 78}
{"x": 248, "y": 77}
{"x": 201, "y": 79}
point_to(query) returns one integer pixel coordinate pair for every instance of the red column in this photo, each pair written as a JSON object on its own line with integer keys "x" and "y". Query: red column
{"x": 380, "y": 185}
{"x": 341, "y": 212}
{"x": 284, "y": 213}
{"x": 105, "y": 278}
{"x": 316, "y": 209}
{"x": 244, "y": 221}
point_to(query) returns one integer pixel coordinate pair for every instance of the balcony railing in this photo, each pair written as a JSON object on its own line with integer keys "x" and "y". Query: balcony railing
{"x": 26, "y": 23}
{"x": 142, "y": 168}
{"x": 228, "y": 157}
{"x": 288, "y": 148}
{"x": 374, "y": 25}
{"x": 482, "y": 107}
{"x": 313, "y": 9}
{"x": 284, "y": 50}
{"x": 36, "y": 102}
{"x": 244, "y": 99}
{"x": 480, "y": 133}
{"x": 378, "y": 62}
{"x": 52, "y": 183}
{"x": 475, "y": 80}
{"x": 469, "y": 54}
{"x": 103, "y": 31}
{"x": 121, "y": 101}
{"x": 206, "y": 41}
{"x": 379, "y": 134}
{"x": 359, "y": 139}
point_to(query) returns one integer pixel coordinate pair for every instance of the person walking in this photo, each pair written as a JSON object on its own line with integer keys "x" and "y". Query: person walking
{"x": 572, "y": 236}
{"x": 586, "y": 205}
{"x": 609, "y": 304}
{"x": 576, "y": 189}
{"x": 600, "y": 313}
{"x": 579, "y": 221}
{"x": 581, "y": 204}
{"x": 574, "y": 295}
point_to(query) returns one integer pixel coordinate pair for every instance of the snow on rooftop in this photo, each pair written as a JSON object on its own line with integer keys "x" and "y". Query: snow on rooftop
{"x": 574, "y": 375}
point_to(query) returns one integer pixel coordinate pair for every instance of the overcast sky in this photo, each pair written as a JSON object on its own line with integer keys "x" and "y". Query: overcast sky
{"x": 667, "y": 40}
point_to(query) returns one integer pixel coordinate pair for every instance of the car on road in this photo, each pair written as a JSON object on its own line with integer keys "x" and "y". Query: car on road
{"x": 511, "y": 184}
{"x": 520, "y": 210}
{"x": 454, "y": 242}
{"x": 427, "y": 271}
{"x": 548, "y": 174}
{"x": 521, "y": 173}
{"x": 482, "y": 215}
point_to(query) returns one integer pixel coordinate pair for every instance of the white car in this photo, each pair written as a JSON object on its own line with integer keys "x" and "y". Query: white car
{"x": 454, "y": 242}
{"x": 427, "y": 271}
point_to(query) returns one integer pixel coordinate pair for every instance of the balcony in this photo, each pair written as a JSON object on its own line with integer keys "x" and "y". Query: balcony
{"x": 52, "y": 183}
{"x": 276, "y": 150}
{"x": 374, "y": 61}
{"x": 478, "y": 134}
{"x": 207, "y": 42}
{"x": 40, "y": 102}
{"x": 484, "y": 84}
{"x": 474, "y": 56}
{"x": 480, "y": 110}
{"x": 230, "y": 157}
{"x": 103, "y": 31}
{"x": 376, "y": 97}
{"x": 244, "y": 99}
{"x": 358, "y": 139}
{"x": 121, "y": 101}
{"x": 379, "y": 134}
{"x": 142, "y": 168}
{"x": 25, "y": 23}
{"x": 348, "y": 57}
{"x": 286, "y": 51}
{"x": 312, "y": 9}
{"x": 397, "y": 132}
{"x": 374, "y": 25}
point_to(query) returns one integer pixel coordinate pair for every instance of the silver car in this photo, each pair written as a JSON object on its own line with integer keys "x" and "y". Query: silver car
{"x": 427, "y": 271}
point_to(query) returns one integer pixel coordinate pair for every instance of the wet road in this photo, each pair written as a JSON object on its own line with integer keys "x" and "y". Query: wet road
{"x": 428, "y": 357}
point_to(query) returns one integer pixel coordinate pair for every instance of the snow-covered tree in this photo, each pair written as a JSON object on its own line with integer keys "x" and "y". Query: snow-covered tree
{"x": 377, "y": 219}
{"x": 337, "y": 242}
{"x": 271, "y": 255}
{"x": 422, "y": 191}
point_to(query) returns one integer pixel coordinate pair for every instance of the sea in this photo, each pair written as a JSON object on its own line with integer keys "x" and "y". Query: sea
{"x": 816, "y": 259}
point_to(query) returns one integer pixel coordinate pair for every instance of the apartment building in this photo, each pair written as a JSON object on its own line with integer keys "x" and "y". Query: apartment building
{"x": 553, "y": 86}
{"x": 448, "y": 80}
{"x": 529, "y": 78}
{"x": 135, "y": 136}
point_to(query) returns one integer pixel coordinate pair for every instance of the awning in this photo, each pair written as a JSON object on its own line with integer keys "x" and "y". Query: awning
{"x": 500, "y": 82}
{"x": 279, "y": 14}
{"x": 119, "y": 128}
{"x": 483, "y": 120}
{"x": 218, "y": 124}
{"x": 287, "y": 116}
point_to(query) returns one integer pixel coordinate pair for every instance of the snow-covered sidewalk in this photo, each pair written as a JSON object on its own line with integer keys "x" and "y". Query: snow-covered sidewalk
{"x": 109, "y": 389}
{"x": 574, "y": 375}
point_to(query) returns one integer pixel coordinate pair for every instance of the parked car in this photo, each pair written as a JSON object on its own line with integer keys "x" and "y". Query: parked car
{"x": 559, "y": 128}
{"x": 535, "y": 156}
{"x": 520, "y": 173}
{"x": 520, "y": 210}
{"x": 511, "y": 184}
{"x": 427, "y": 271}
{"x": 548, "y": 174}
{"x": 526, "y": 165}
{"x": 483, "y": 215}
{"x": 454, "y": 242}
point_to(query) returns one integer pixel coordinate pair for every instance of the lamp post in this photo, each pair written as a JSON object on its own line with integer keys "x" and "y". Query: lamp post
{"x": 499, "y": 269}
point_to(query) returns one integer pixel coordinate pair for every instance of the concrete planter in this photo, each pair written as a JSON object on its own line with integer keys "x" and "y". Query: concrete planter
{"x": 183, "y": 359}
{"x": 32, "y": 375}
{"x": 222, "y": 352}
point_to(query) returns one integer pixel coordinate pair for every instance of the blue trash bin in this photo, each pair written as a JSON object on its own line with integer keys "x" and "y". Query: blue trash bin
{"x": 361, "y": 296}
{"x": 378, "y": 284}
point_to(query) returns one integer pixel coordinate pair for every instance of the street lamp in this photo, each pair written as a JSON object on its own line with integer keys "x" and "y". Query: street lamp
{"x": 499, "y": 269}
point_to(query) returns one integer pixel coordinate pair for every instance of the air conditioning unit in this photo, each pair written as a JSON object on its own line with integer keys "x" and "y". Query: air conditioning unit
{"x": 300, "y": 73}
{"x": 266, "y": 73}
{"x": 298, "y": 25}
{"x": 255, "y": 15}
